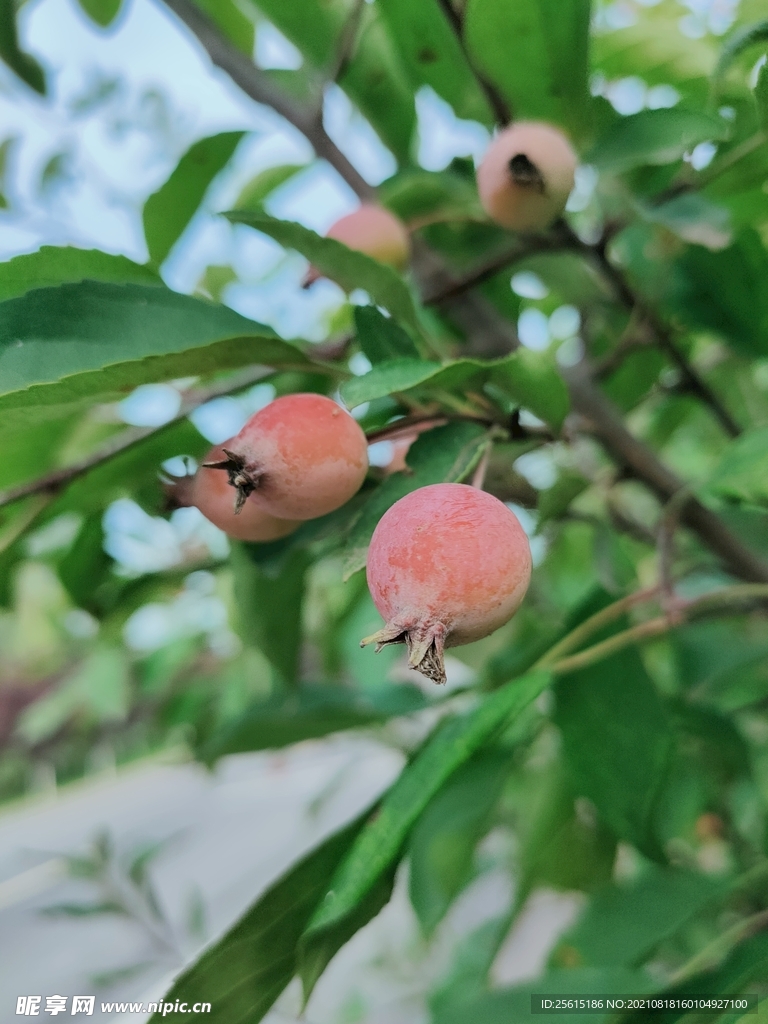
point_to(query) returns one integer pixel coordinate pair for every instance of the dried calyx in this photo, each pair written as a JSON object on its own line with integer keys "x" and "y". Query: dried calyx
{"x": 426, "y": 646}
{"x": 244, "y": 479}
{"x": 526, "y": 174}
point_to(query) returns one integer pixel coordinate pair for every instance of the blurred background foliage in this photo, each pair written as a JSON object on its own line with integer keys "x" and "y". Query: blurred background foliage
{"x": 138, "y": 326}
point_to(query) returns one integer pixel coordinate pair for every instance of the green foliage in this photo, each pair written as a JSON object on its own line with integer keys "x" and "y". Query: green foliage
{"x": 50, "y": 266}
{"x": 653, "y": 137}
{"x": 380, "y": 338}
{"x": 103, "y": 12}
{"x": 168, "y": 211}
{"x": 742, "y": 473}
{"x": 25, "y": 66}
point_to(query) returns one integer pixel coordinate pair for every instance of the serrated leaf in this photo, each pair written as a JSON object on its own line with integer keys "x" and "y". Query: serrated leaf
{"x": 742, "y": 473}
{"x": 51, "y": 266}
{"x": 380, "y": 338}
{"x": 378, "y": 846}
{"x": 431, "y": 51}
{"x": 347, "y": 267}
{"x": 168, "y": 211}
{"x": 25, "y": 66}
{"x": 443, "y": 455}
{"x": 61, "y": 345}
{"x": 536, "y": 53}
{"x": 253, "y": 194}
{"x": 245, "y": 971}
{"x": 103, "y": 12}
{"x": 653, "y": 137}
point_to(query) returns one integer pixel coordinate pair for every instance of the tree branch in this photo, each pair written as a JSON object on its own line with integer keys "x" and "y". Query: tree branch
{"x": 54, "y": 482}
{"x": 262, "y": 89}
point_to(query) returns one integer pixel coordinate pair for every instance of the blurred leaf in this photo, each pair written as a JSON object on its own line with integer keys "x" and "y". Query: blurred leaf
{"x": 380, "y": 843}
{"x": 616, "y": 739}
{"x": 379, "y": 336}
{"x": 412, "y": 193}
{"x": 443, "y": 455}
{"x": 243, "y": 973}
{"x": 740, "y": 40}
{"x": 168, "y": 211}
{"x": 694, "y": 218}
{"x": 308, "y": 712}
{"x": 624, "y": 922}
{"x": 472, "y": 961}
{"x": 86, "y": 564}
{"x": 26, "y": 67}
{"x": 653, "y": 137}
{"x": 215, "y": 279}
{"x": 761, "y": 96}
{"x": 103, "y": 12}
{"x": 726, "y": 661}
{"x": 253, "y": 194}
{"x": 444, "y": 838}
{"x": 536, "y": 53}
{"x": 5, "y": 149}
{"x": 61, "y": 345}
{"x": 51, "y": 266}
{"x": 82, "y": 909}
{"x": 513, "y": 1005}
{"x": 347, "y": 267}
{"x": 531, "y": 379}
{"x": 742, "y": 473}
{"x": 232, "y": 22}
{"x": 269, "y": 606}
{"x": 727, "y": 292}
{"x": 554, "y": 500}
{"x": 434, "y": 56}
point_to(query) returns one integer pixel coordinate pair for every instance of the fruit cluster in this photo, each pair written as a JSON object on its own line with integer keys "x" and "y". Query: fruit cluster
{"x": 448, "y": 563}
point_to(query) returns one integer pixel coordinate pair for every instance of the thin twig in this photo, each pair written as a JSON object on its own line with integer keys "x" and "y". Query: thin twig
{"x": 346, "y": 43}
{"x": 665, "y": 546}
{"x": 54, "y": 482}
{"x": 501, "y": 109}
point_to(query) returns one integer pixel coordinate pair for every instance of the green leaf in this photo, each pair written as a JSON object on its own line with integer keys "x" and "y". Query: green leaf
{"x": 269, "y": 606}
{"x": 653, "y": 137}
{"x": 387, "y": 378}
{"x": 50, "y": 266}
{"x": 307, "y": 713}
{"x": 378, "y": 846}
{"x": 379, "y": 336}
{"x": 727, "y": 292}
{"x": 232, "y": 22}
{"x": 26, "y": 67}
{"x": 761, "y": 96}
{"x": 616, "y": 739}
{"x": 624, "y": 922}
{"x": 253, "y": 194}
{"x": 168, "y": 211}
{"x": 347, "y": 267}
{"x": 531, "y": 379}
{"x": 694, "y": 218}
{"x": 740, "y": 40}
{"x": 103, "y": 12}
{"x": 62, "y": 345}
{"x": 742, "y": 473}
{"x": 445, "y": 836}
{"x": 246, "y": 970}
{"x": 431, "y": 51}
{"x": 443, "y": 455}
{"x": 555, "y": 499}
{"x": 536, "y": 53}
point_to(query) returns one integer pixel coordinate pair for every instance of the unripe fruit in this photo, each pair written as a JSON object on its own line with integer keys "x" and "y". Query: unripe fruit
{"x": 447, "y": 564}
{"x": 526, "y": 176}
{"x": 299, "y": 457}
{"x": 374, "y": 231}
{"x": 209, "y": 491}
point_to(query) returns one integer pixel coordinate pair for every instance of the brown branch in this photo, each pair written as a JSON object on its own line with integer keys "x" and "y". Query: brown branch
{"x": 501, "y": 109}
{"x": 54, "y": 482}
{"x": 262, "y": 89}
{"x": 598, "y": 256}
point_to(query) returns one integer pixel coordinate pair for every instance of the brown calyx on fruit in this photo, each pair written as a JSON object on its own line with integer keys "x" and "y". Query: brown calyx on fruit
{"x": 526, "y": 174}
{"x": 426, "y": 644}
{"x": 243, "y": 478}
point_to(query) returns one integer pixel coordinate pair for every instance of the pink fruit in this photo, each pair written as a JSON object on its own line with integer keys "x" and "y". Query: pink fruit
{"x": 447, "y": 564}
{"x": 374, "y": 231}
{"x": 526, "y": 176}
{"x": 298, "y": 458}
{"x": 209, "y": 491}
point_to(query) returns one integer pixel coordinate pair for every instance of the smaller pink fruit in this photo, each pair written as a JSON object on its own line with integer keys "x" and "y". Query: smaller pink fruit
{"x": 209, "y": 491}
{"x": 447, "y": 564}
{"x": 299, "y": 457}
{"x": 526, "y": 176}
{"x": 374, "y": 231}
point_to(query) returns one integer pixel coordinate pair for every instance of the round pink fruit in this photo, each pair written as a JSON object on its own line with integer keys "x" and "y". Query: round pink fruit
{"x": 373, "y": 230}
{"x": 526, "y": 176}
{"x": 447, "y": 564}
{"x": 300, "y": 457}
